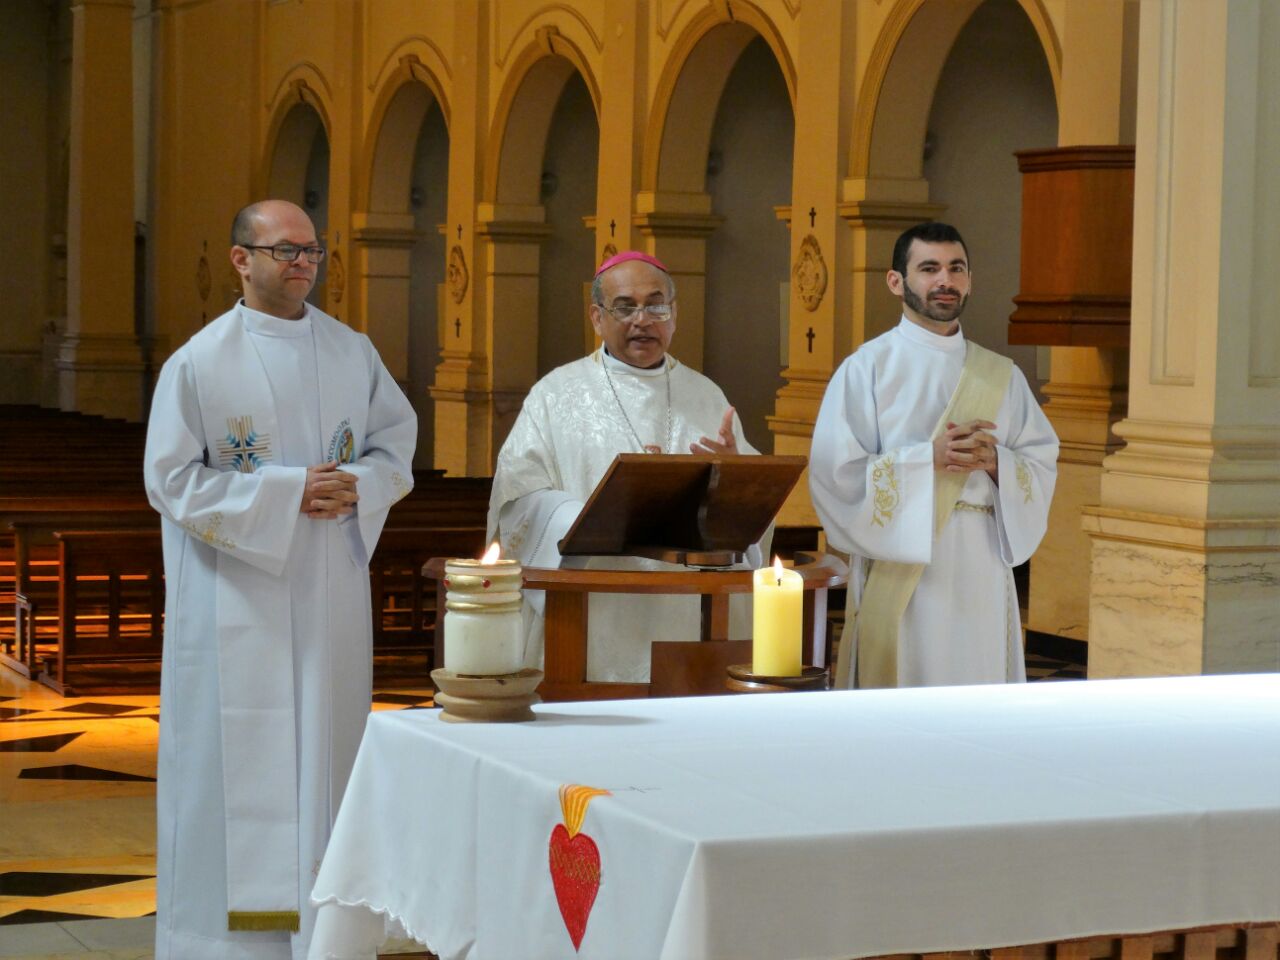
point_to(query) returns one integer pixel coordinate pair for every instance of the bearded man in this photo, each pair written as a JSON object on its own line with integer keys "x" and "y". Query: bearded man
{"x": 933, "y": 466}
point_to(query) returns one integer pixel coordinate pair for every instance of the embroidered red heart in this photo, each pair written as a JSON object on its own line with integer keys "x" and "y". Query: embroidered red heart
{"x": 575, "y": 874}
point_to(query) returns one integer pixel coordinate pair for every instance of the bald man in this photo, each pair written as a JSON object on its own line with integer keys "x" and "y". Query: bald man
{"x": 277, "y": 443}
{"x": 629, "y": 396}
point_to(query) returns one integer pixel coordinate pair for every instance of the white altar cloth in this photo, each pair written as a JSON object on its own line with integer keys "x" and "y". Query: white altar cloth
{"x": 825, "y": 825}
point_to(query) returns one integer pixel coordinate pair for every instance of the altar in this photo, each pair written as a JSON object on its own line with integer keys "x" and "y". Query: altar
{"x": 815, "y": 825}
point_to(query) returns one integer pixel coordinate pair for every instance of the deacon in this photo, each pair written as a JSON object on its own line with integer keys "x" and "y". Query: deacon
{"x": 277, "y": 443}
{"x": 629, "y": 396}
{"x": 933, "y": 466}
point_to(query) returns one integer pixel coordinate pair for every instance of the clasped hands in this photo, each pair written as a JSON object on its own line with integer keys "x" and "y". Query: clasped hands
{"x": 727, "y": 443}
{"x": 330, "y": 493}
{"x": 966, "y": 447}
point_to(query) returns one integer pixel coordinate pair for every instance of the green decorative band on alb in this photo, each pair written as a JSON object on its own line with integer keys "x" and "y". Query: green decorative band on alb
{"x": 263, "y": 920}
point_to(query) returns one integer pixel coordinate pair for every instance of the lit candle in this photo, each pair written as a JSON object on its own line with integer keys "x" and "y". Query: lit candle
{"x": 483, "y": 634}
{"x": 778, "y": 622}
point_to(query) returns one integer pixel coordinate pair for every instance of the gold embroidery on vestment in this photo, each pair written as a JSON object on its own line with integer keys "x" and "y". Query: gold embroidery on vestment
{"x": 886, "y": 497}
{"x": 208, "y": 533}
{"x": 1024, "y": 480}
{"x": 402, "y": 487}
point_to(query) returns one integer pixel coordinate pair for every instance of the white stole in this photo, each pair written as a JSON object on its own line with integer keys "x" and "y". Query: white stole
{"x": 254, "y": 628}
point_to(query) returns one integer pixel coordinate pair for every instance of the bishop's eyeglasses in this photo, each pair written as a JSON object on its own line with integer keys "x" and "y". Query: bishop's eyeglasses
{"x": 630, "y": 312}
{"x": 288, "y": 252}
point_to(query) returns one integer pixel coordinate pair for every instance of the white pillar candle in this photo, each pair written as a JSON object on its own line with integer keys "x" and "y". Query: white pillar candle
{"x": 483, "y": 633}
{"x": 778, "y": 621}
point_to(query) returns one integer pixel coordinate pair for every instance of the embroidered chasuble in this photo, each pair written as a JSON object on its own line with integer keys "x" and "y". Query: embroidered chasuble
{"x": 574, "y": 421}
{"x": 872, "y": 482}
{"x": 266, "y": 672}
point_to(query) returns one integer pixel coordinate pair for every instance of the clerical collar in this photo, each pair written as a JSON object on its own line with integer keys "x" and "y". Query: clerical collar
{"x": 266, "y": 325}
{"x": 927, "y": 338}
{"x": 621, "y": 366}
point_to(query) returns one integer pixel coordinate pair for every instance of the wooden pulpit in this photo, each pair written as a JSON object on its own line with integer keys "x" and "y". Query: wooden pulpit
{"x": 699, "y": 510}
{"x": 702, "y": 511}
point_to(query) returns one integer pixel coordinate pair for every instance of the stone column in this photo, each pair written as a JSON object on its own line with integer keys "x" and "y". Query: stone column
{"x": 822, "y": 247}
{"x": 463, "y": 441}
{"x": 1087, "y": 387}
{"x": 383, "y": 245}
{"x": 99, "y": 363}
{"x": 621, "y": 126}
{"x": 1186, "y": 541}
{"x": 675, "y": 227}
{"x": 512, "y": 236}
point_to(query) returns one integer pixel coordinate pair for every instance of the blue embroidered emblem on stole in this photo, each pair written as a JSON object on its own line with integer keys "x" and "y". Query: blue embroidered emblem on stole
{"x": 243, "y": 449}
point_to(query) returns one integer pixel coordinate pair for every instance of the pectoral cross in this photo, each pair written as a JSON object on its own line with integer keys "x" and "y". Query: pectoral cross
{"x": 457, "y": 327}
{"x": 809, "y": 336}
{"x": 812, "y": 213}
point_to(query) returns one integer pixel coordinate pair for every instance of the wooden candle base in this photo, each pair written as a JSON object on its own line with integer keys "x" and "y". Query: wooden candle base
{"x": 472, "y": 699}
{"x": 742, "y": 680}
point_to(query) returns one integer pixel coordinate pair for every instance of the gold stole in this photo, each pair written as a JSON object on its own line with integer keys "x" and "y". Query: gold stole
{"x": 890, "y": 585}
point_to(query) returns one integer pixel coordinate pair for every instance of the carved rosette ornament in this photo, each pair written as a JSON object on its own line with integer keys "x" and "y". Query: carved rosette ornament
{"x": 337, "y": 277}
{"x": 457, "y": 275}
{"x": 810, "y": 273}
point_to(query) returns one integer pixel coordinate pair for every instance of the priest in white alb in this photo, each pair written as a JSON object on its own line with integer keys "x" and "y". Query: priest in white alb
{"x": 933, "y": 466}
{"x": 629, "y": 396}
{"x": 277, "y": 443}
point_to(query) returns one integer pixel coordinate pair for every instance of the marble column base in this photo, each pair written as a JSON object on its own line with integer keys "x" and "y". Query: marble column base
{"x": 1176, "y": 596}
{"x": 1059, "y": 595}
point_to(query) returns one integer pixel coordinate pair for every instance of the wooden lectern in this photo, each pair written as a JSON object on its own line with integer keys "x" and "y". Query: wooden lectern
{"x": 698, "y": 510}
{"x": 702, "y": 511}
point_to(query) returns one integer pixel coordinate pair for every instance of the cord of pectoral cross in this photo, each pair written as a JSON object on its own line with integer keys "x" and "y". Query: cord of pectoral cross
{"x": 644, "y": 448}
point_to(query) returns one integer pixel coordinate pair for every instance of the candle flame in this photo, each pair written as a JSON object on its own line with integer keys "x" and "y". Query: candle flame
{"x": 491, "y": 554}
{"x": 777, "y": 568}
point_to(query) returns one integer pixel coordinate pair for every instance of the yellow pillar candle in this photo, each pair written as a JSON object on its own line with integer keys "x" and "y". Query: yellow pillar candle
{"x": 777, "y": 622}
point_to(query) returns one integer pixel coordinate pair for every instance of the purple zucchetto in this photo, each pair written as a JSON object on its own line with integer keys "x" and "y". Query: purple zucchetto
{"x": 626, "y": 255}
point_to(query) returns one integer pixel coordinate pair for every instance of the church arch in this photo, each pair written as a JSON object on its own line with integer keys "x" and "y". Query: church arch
{"x": 888, "y": 187}
{"x": 406, "y": 94}
{"x": 902, "y": 73}
{"x": 532, "y": 216}
{"x": 399, "y": 253}
{"x": 297, "y": 167}
{"x": 299, "y": 110}
{"x": 688, "y": 93}
{"x": 522, "y": 118}
{"x": 729, "y": 83}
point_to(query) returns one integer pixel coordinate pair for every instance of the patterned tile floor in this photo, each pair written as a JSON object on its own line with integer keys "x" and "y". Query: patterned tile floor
{"x": 77, "y": 801}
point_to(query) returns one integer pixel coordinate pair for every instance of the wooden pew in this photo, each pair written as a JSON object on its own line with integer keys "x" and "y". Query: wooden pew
{"x": 80, "y": 475}
{"x": 29, "y": 565}
{"x": 110, "y": 611}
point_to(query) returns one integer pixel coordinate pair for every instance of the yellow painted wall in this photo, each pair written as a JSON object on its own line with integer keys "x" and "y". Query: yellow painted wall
{"x": 25, "y": 158}
{"x": 227, "y": 76}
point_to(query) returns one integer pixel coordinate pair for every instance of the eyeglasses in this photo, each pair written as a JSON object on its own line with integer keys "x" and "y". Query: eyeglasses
{"x": 288, "y": 252}
{"x": 629, "y": 312}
